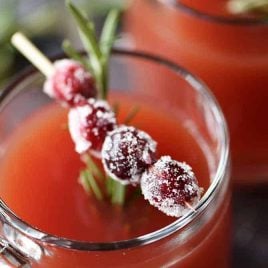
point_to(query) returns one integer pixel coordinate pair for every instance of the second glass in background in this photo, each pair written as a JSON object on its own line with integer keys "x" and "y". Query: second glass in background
{"x": 229, "y": 53}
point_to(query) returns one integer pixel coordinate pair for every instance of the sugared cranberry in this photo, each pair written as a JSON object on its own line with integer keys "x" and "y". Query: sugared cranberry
{"x": 70, "y": 83}
{"x": 126, "y": 153}
{"x": 171, "y": 186}
{"x": 89, "y": 124}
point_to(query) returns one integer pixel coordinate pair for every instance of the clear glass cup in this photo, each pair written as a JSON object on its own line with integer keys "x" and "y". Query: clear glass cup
{"x": 202, "y": 237}
{"x": 229, "y": 53}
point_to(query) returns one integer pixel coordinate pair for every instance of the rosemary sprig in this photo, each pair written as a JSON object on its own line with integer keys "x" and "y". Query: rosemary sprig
{"x": 97, "y": 63}
{"x": 98, "y": 52}
{"x": 72, "y": 53}
{"x": 91, "y": 165}
{"x": 119, "y": 196}
{"x": 89, "y": 183}
{"x": 88, "y": 37}
{"x": 114, "y": 189}
{"x": 117, "y": 191}
{"x": 108, "y": 32}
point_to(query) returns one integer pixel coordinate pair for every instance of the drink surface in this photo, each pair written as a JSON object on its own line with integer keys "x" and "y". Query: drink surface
{"x": 231, "y": 58}
{"x": 39, "y": 176}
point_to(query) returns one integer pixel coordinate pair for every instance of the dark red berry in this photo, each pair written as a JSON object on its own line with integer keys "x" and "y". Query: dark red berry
{"x": 70, "y": 83}
{"x": 126, "y": 153}
{"x": 89, "y": 124}
{"x": 171, "y": 186}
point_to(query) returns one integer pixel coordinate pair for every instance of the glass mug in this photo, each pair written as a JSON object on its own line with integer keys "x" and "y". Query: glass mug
{"x": 202, "y": 237}
{"x": 229, "y": 53}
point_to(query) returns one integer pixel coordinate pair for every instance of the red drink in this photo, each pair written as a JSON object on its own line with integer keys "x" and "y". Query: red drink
{"x": 229, "y": 53}
{"x": 32, "y": 186}
{"x": 42, "y": 189}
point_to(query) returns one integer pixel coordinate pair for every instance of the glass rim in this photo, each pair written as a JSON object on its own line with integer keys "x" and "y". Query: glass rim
{"x": 10, "y": 218}
{"x": 239, "y": 21}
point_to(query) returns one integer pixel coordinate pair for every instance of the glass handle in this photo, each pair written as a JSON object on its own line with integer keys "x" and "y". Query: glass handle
{"x": 10, "y": 257}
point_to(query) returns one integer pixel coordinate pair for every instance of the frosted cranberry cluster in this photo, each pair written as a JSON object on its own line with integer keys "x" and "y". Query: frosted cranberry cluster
{"x": 89, "y": 123}
{"x": 128, "y": 154}
{"x": 70, "y": 83}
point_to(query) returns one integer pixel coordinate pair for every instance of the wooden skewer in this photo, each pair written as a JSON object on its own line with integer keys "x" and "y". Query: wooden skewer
{"x": 190, "y": 207}
{"x": 32, "y": 53}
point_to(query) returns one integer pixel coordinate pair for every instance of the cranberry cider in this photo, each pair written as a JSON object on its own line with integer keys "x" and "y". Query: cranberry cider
{"x": 39, "y": 171}
{"x": 42, "y": 187}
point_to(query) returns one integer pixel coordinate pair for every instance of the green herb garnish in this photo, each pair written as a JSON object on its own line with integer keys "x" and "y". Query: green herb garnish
{"x": 89, "y": 183}
{"x": 98, "y": 51}
{"x": 97, "y": 62}
{"x": 115, "y": 191}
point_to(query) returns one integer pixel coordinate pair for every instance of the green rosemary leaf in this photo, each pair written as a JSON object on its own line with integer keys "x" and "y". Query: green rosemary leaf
{"x": 89, "y": 184}
{"x": 73, "y": 54}
{"x": 91, "y": 45}
{"x": 106, "y": 42}
{"x": 84, "y": 181}
{"x": 109, "y": 185}
{"x": 95, "y": 169}
{"x": 132, "y": 113}
{"x": 85, "y": 27}
{"x": 108, "y": 32}
{"x": 118, "y": 193}
{"x": 92, "y": 26}
{"x": 105, "y": 78}
{"x": 93, "y": 185}
{"x": 95, "y": 63}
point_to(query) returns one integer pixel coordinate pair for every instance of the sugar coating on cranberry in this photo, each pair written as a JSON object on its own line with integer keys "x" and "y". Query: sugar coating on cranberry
{"x": 126, "y": 153}
{"x": 70, "y": 83}
{"x": 89, "y": 124}
{"x": 171, "y": 186}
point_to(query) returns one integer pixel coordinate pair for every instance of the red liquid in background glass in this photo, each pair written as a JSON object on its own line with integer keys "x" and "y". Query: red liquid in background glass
{"x": 38, "y": 177}
{"x": 231, "y": 58}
